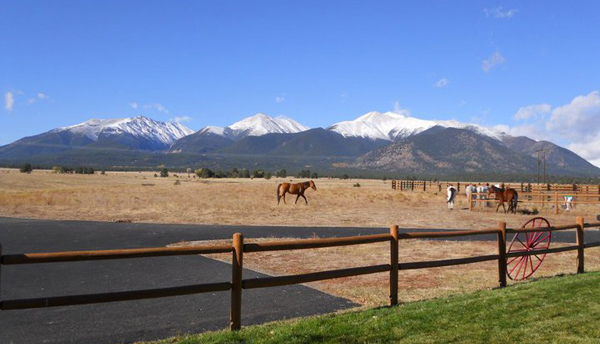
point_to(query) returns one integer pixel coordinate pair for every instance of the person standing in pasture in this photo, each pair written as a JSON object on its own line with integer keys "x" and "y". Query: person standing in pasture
{"x": 451, "y": 192}
{"x": 294, "y": 189}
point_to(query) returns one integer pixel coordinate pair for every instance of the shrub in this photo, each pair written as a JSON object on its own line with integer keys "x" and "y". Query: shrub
{"x": 281, "y": 173}
{"x": 345, "y": 176}
{"x": 357, "y": 185}
{"x": 26, "y": 168}
{"x": 314, "y": 175}
{"x": 258, "y": 174}
{"x": 268, "y": 175}
{"x": 204, "y": 173}
{"x": 104, "y": 173}
{"x": 155, "y": 175}
{"x": 177, "y": 182}
{"x": 58, "y": 169}
{"x": 164, "y": 173}
{"x": 304, "y": 174}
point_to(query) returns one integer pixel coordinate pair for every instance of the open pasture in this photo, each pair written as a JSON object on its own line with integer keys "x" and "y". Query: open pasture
{"x": 141, "y": 197}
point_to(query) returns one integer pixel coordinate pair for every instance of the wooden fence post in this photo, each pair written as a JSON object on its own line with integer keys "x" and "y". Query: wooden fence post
{"x": 580, "y": 243}
{"x": 556, "y": 203}
{"x": 394, "y": 264}
{"x": 0, "y": 270}
{"x": 502, "y": 254}
{"x": 471, "y": 202}
{"x": 235, "y": 318}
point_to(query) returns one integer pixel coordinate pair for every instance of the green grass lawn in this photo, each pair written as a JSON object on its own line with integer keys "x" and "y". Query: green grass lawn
{"x": 555, "y": 310}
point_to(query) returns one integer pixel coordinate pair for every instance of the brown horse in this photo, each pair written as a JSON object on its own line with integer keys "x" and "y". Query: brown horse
{"x": 505, "y": 195}
{"x": 294, "y": 189}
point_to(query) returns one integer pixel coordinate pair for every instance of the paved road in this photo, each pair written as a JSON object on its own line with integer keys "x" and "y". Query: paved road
{"x": 145, "y": 319}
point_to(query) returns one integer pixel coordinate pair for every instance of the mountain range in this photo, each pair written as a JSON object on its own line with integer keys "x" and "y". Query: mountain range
{"x": 376, "y": 141}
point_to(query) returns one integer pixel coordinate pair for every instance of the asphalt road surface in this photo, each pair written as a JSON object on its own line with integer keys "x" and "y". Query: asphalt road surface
{"x": 125, "y": 322}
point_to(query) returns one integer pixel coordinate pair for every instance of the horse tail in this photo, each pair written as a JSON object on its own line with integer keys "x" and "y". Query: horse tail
{"x": 278, "y": 195}
{"x": 515, "y": 201}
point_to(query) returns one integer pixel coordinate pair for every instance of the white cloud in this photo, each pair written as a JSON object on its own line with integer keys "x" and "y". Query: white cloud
{"x": 40, "y": 96}
{"x": 399, "y": 110}
{"x": 160, "y": 108}
{"x": 580, "y": 119}
{"x": 134, "y": 105}
{"x": 443, "y": 82}
{"x": 538, "y": 111}
{"x": 590, "y": 149}
{"x": 577, "y": 124}
{"x": 181, "y": 119}
{"x": 279, "y": 99}
{"x": 156, "y": 106}
{"x": 493, "y": 61}
{"x": 9, "y": 101}
{"x": 499, "y": 12}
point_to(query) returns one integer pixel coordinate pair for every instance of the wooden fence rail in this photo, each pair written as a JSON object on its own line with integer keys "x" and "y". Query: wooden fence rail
{"x": 438, "y": 186}
{"x": 238, "y": 248}
{"x": 554, "y": 198}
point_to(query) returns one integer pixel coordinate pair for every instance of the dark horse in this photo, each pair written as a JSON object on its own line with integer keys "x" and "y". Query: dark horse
{"x": 294, "y": 189}
{"x": 505, "y": 195}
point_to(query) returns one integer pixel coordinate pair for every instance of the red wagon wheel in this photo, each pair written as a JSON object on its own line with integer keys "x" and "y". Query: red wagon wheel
{"x": 522, "y": 267}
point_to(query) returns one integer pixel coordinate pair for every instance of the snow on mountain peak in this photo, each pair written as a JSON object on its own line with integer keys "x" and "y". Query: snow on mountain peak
{"x": 138, "y": 126}
{"x": 382, "y": 126}
{"x": 391, "y": 126}
{"x": 261, "y": 124}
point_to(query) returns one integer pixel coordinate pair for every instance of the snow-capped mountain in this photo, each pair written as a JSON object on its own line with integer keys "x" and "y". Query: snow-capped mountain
{"x": 392, "y": 126}
{"x": 140, "y": 127}
{"x": 135, "y": 133}
{"x": 257, "y": 125}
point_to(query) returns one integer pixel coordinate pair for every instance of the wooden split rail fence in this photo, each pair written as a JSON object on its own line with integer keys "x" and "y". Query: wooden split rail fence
{"x": 239, "y": 248}
{"x": 555, "y": 199}
{"x": 438, "y": 186}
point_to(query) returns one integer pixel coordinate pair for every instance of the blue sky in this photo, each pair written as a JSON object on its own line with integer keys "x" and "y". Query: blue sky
{"x": 530, "y": 66}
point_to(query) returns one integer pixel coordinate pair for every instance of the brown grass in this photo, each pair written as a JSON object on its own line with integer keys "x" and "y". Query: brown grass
{"x": 372, "y": 290}
{"x": 140, "y": 197}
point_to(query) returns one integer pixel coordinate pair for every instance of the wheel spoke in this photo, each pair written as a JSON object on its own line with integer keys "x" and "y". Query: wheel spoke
{"x": 512, "y": 260}
{"x": 519, "y": 240}
{"x": 541, "y": 240}
{"x": 536, "y": 236}
{"x": 525, "y": 266}
{"x": 515, "y": 265}
{"x": 519, "y": 265}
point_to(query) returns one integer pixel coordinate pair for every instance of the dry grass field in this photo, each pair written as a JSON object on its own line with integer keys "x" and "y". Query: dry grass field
{"x": 140, "y": 197}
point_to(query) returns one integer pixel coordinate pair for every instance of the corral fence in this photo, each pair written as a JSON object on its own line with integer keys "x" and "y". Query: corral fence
{"x": 554, "y": 195}
{"x": 238, "y": 248}
{"x": 554, "y": 199}
{"x": 438, "y": 186}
